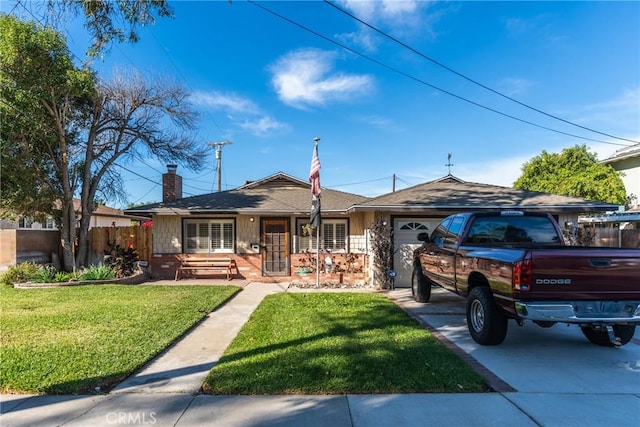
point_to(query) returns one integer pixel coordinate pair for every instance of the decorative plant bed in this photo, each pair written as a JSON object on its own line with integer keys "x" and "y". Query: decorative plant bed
{"x": 136, "y": 279}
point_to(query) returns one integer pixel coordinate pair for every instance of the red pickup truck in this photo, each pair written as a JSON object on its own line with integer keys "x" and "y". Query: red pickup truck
{"x": 515, "y": 265}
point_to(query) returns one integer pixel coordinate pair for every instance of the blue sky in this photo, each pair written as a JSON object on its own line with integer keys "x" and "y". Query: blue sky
{"x": 270, "y": 87}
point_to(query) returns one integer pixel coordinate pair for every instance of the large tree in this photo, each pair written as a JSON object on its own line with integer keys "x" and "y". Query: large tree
{"x": 105, "y": 20}
{"x": 574, "y": 172}
{"x": 42, "y": 99}
{"x": 62, "y": 131}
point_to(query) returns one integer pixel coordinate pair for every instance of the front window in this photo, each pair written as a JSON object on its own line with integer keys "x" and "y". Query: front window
{"x": 209, "y": 236}
{"x": 25, "y": 222}
{"x": 333, "y": 236}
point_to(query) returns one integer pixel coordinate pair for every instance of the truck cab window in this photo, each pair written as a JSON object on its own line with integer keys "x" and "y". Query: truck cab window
{"x": 454, "y": 230}
{"x": 438, "y": 235}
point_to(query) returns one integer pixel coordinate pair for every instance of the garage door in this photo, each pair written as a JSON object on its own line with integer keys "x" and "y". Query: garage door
{"x": 405, "y": 233}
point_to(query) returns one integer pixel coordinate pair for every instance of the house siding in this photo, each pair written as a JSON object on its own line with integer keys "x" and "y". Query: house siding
{"x": 357, "y": 233}
{"x": 631, "y": 178}
{"x": 247, "y": 232}
{"x": 167, "y": 235}
{"x": 167, "y": 249}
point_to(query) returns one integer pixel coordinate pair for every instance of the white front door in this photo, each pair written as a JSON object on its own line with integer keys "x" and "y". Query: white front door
{"x": 405, "y": 241}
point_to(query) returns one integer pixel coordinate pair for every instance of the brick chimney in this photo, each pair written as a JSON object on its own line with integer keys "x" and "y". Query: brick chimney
{"x": 171, "y": 185}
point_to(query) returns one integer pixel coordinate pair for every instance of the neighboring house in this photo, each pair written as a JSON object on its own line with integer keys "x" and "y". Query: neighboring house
{"x": 627, "y": 161}
{"x": 28, "y": 240}
{"x": 262, "y": 223}
{"x": 102, "y": 216}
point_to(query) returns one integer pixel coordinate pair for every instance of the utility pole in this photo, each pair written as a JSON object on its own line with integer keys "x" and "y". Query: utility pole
{"x": 218, "y": 146}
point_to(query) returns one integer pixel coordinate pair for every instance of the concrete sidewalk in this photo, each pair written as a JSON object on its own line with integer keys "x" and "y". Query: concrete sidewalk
{"x": 166, "y": 393}
{"x": 183, "y": 367}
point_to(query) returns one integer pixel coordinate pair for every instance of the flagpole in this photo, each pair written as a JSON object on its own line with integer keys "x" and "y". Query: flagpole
{"x": 314, "y": 178}
{"x": 315, "y": 141}
{"x": 318, "y": 257}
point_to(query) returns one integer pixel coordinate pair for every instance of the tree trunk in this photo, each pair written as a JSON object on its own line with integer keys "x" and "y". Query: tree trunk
{"x": 67, "y": 235}
{"x": 82, "y": 257}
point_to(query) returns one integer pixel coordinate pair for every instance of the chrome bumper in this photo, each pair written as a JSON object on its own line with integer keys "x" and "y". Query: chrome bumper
{"x": 581, "y": 311}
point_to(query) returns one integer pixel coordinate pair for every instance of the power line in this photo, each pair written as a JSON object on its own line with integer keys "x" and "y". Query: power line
{"x": 158, "y": 183}
{"x": 144, "y": 195}
{"x": 361, "y": 182}
{"x": 165, "y": 51}
{"x": 417, "y": 52}
{"x": 405, "y": 182}
{"x": 137, "y": 174}
{"x": 416, "y": 79}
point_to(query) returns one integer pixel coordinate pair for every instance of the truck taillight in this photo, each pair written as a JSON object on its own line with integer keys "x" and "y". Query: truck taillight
{"x": 522, "y": 274}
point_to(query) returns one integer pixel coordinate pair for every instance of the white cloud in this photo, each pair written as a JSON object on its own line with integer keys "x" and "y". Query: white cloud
{"x": 502, "y": 172}
{"x": 224, "y": 101}
{"x": 380, "y": 122}
{"x": 306, "y": 77}
{"x": 617, "y": 116}
{"x": 241, "y": 111}
{"x": 538, "y": 24}
{"x": 361, "y": 38}
{"x": 546, "y": 27}
{"x": 262, "y": 126}
{"x": 514, "y": 86}
{"x": 385, "y": 10}
{"x": 401, "y": 18}
{"x": 627, "y": 101}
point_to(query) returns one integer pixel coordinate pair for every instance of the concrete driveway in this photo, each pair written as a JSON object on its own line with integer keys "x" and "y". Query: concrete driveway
{"x": 534, "y": 359}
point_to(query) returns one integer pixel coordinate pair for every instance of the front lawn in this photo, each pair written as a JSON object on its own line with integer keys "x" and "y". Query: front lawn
{"x": 326, "y": 343}
{"x": 73, "y": 339}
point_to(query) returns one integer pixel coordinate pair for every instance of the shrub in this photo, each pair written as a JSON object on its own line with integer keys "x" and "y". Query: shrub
{"x": 63, "y": 276}
{"x": 45, "y": 274}
{"x": 123, "y": 261}
{"x": 381, "y": 246}
{"x": 97, "y": 272}
{"x": 23, "y": 272}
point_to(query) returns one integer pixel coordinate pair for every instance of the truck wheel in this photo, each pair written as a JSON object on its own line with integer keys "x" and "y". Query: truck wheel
{"x": 420, "y": 286}
{"x": 601, "y": 337}
{"x": 486, "y": 322}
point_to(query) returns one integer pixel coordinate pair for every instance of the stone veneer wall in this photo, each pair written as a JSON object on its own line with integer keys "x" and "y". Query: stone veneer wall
{"x": 348, "y": 269}
{"x": 163, "y": 266}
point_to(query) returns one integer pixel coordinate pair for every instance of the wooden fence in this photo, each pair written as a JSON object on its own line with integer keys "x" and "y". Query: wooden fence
{"x": 613, "y": 237}
{"x": 137, "y": 237}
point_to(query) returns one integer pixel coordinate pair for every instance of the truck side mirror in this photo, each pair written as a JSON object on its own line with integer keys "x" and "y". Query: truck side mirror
{"x": 423, "y": 237}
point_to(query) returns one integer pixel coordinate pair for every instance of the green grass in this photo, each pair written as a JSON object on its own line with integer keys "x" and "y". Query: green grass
{"x": 73, "y": 339}
{"x": 324, "y": 343}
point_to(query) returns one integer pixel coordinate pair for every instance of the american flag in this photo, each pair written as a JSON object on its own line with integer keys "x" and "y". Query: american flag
{"x": 314, "y": 179}
{"x": 314, "y": 174}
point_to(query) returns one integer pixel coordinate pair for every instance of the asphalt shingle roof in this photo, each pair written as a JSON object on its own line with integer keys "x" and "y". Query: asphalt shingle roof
{"x": 283, "y": 194}
{"x": 451, "y": 193}
{"x": 279, "y": 193}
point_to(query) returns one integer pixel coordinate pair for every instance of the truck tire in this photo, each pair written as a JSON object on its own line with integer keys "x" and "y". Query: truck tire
{"x": 601, "y": 337}
{"x": 420, "y": 286}
{"x": 486, "y": 322}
